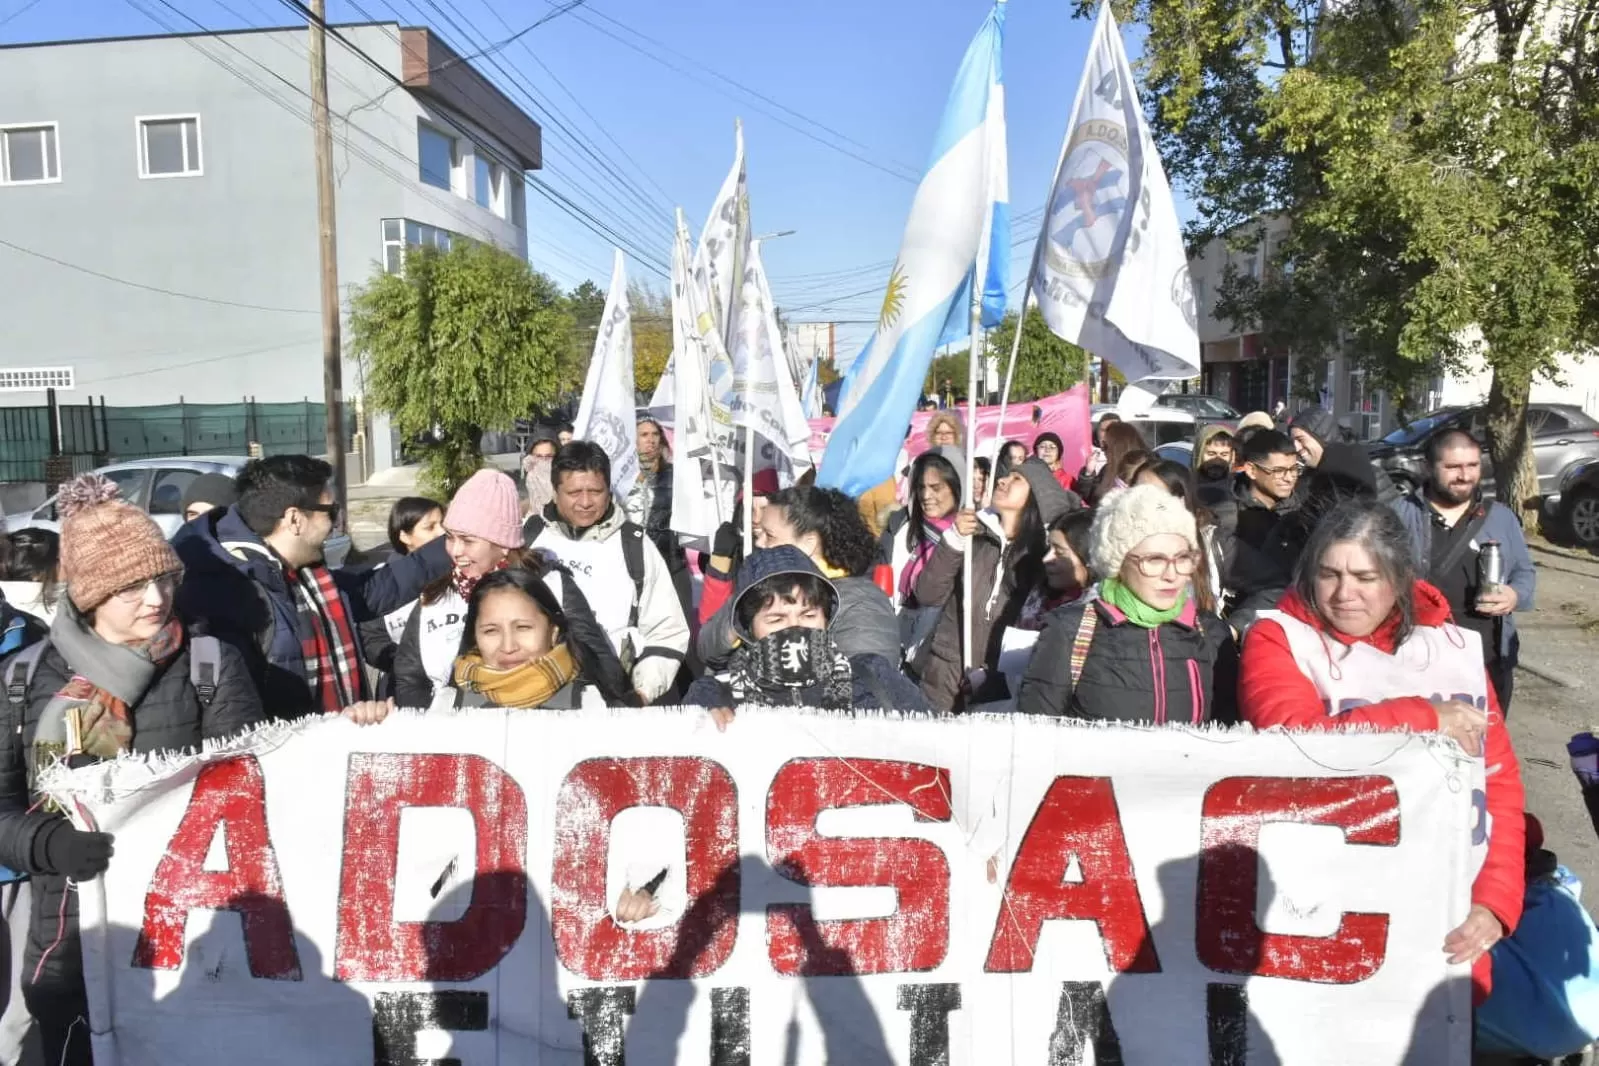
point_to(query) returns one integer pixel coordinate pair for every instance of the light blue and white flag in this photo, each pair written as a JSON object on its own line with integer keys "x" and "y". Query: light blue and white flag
{"x": 812, "y": 396}
{"x": 1110, "y": 272}
{"x": 949, "y": 246}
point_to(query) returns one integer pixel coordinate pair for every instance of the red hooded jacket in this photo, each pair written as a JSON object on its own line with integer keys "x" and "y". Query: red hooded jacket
{"x": 1273, "y": 692}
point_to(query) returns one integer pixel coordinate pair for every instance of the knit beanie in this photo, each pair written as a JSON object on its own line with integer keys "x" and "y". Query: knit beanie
{"x": 1317, "y": 422}
{"x": 107, "y": 545}
{"x": 487, "y": 507}
{"x": 1127, "y": 516}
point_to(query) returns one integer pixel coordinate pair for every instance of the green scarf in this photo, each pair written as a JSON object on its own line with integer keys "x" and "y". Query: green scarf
{"x": 1139, "y": 613}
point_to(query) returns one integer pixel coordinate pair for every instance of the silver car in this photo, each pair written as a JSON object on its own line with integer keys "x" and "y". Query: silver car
{"x": 157, "y": 486}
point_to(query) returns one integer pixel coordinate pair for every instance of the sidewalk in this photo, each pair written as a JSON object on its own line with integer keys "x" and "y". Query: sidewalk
{"x": 368, "y": 521}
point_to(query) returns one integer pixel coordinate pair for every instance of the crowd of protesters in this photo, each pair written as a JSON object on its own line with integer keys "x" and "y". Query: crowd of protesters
{"x": 1279, "y": 581}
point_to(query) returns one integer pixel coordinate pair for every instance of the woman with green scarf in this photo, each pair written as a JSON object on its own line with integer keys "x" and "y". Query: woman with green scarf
{"x": 1142, "y": 650}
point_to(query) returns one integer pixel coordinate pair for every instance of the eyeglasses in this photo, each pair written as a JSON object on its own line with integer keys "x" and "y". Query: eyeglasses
{"x": 1281, "y": 473}
{"x": 329, "y": 509}
{"x": 167, "y": 583}
{"x": 1155, "y": 565}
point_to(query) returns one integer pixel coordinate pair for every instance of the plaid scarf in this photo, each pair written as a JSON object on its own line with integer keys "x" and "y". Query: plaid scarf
{"x": 332, "y": 668}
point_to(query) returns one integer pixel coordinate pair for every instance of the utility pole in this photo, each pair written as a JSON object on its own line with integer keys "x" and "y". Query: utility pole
{"x": 332, "y": 353}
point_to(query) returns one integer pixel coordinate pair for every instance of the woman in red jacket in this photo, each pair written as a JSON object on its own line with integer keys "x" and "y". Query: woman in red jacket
{"x": 1359, "y": 640}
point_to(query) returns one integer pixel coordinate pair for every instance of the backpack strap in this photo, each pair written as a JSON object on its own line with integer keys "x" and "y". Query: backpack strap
{"x": 532, "y": 529}
{"x": 205, "y": 667}
{"x": 20, "y": 671}
{"x": 633, "y": 556}
{"x": 1080, "y": 642}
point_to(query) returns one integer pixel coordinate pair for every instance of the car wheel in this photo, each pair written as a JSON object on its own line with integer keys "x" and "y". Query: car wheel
{"x": 1582, "y": 515}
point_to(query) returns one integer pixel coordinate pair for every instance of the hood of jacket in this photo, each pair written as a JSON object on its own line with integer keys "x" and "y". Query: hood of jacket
{"x": 1206, "y": 432}
{"x": 606, "y": 528}
{"x": 1432, "y": 610}
{"x": 1052, "y": 500}
{"x": 770, "y": 562}
{"x": 220, "y": 540}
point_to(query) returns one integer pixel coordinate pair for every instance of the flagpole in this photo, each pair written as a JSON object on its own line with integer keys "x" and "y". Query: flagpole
{"x": 971, "y": 464}
{"x": 749, "y": 480}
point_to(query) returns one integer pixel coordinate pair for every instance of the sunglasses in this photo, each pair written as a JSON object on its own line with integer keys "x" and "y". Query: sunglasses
{"x": 329, "y": 509}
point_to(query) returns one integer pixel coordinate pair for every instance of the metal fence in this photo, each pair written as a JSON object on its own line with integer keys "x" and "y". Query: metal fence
{"x": 94, "y": 434}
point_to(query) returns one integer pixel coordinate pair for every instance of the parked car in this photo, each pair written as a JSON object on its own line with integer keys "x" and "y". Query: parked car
{"x": 1180, "y": 451}
{"x": 1159, "y": 425}
{"x": 1575, "y": 503}
{"x": 1563, "y": 439}
{"x": 1205, "y": 408}
{"x": 157, "y": 486}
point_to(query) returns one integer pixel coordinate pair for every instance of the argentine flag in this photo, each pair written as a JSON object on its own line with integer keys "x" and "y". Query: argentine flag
{"x": 957, "y": 237}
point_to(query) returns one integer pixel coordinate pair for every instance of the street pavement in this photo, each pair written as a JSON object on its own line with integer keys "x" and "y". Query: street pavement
{"x": 1554, "y": 698}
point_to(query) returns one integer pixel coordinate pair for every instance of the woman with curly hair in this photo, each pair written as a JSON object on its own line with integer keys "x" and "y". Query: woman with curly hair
{"x": 826, "y": 525}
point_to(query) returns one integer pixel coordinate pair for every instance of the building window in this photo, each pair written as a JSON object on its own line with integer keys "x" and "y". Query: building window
{"x": 28, "y": 154}
{"x": 402, "y": 233}
{"x": 488, "y": 186}
{"x": 35, "y": 378}
{"x": 439, "y": 157}
{"x": 169, "y": 146}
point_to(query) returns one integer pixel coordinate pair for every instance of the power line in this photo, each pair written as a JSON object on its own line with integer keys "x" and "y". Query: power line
{"x": 154, "y": 288}
{"x": 19, "y": 12}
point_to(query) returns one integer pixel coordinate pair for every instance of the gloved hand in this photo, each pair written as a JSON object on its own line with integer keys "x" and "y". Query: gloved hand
{"x": 71, "y": 852}
{"x": 728, "y": 542}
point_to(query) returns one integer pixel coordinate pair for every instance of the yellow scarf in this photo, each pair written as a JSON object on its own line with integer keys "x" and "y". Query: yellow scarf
{"x": 529, "y": 685}
{"x": 829, "y": 571}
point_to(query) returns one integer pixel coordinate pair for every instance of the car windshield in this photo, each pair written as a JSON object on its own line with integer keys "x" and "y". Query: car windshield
{"x": 1420, "y": 428}
{"x": 1202, "y": 406}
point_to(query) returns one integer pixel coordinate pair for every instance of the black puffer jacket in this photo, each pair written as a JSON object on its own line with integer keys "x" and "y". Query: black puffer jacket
{"x": 169, "y": 717}
{"x": 1194, "y": 655}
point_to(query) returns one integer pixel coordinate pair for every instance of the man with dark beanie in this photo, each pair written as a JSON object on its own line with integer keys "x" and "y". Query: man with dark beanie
{"x": 207, "y": 493}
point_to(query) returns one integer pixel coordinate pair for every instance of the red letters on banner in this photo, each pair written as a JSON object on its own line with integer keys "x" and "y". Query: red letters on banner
{"x": 1229, "y": 940}
{"x": 1078, "y": 817}
{"x": 230, "y": 794}
{"x": 916, "y": 936}
{"x": 371, "y": 945}
{"x": 588, "y": 940}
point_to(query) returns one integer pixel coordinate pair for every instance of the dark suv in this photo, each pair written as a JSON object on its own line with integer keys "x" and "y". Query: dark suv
{"x": 1564, "y": 439}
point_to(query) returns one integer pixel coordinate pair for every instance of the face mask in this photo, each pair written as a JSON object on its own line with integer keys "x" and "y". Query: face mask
{"x": 1214, "y": 470}
{"x": 792, "y": 657}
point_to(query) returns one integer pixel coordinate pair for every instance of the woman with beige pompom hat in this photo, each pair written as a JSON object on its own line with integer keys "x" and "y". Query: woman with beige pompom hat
{"x": 117, "y": 674}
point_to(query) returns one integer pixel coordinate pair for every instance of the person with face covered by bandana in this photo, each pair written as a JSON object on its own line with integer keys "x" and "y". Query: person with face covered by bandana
{"x": 1215, "y": 457}
{"x": 782, "y": 613}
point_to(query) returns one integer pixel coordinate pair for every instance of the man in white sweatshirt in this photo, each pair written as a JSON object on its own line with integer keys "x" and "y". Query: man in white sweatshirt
{"x": 619, "y": 570}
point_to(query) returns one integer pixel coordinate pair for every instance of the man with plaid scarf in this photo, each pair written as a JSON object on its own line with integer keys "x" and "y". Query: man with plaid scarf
{"x": 255, "y": 578}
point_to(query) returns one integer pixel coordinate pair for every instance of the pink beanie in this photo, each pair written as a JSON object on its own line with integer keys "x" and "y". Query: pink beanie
{"x": 488, "y": 507}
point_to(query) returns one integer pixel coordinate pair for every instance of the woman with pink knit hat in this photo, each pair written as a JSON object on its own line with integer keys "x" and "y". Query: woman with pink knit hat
{"x": 117, "y": 674}
{"x": 483, "y": 533}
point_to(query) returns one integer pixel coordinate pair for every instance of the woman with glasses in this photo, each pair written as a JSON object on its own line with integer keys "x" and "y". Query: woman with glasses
{"x": 1048, "y": 449}
{"x": 1140, "y": 650}
{"x": 118, "y": 674}
{"x": 1360, "y": 641}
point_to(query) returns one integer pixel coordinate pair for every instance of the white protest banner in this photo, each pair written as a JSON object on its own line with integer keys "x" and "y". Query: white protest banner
{"x": 764, "y": 397}
{"x": 704, "y": 477}
{"x": 976, "y": 891}
{"x": 607, "y": 413}
{"x": 1110, "y": 272}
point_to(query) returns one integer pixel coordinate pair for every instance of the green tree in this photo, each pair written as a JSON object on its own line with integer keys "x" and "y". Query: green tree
{"x": 587, "y": 305}
{"x": 953, "y": 368}
{"x": 652, "y": 335}
{"x": 1439, "y": 161}
{"x": 1045, "y": 364}
{"x": 463, "y": 341}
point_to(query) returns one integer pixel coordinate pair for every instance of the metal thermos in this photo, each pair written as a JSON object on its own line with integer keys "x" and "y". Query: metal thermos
{"x": 1490, "y": 565}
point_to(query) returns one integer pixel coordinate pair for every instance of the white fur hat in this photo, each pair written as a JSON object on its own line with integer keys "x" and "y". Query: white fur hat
{"x": 1127, "y": 516}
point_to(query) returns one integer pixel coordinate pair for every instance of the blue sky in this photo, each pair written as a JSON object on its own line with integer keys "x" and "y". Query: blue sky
{"x": 875, "y": 72}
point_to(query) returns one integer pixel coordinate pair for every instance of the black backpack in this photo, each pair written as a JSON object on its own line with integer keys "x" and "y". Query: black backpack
{"x": 205, "y": 666}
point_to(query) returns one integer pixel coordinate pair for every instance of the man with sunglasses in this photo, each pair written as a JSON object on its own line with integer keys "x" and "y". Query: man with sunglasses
{"x": 1258, "y": 548}
{"x": 256, "y": 579}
